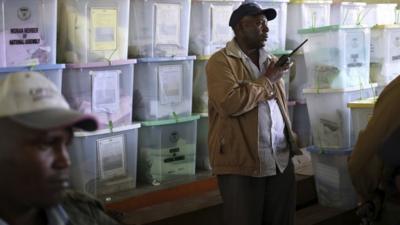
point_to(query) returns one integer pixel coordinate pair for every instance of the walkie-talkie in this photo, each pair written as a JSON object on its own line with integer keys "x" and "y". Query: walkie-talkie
{"x": 284, "y": 58}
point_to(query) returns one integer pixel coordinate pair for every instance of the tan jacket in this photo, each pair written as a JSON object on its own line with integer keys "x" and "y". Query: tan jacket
{"x": 233, "y": 114}
{"x": 366, "y": 169}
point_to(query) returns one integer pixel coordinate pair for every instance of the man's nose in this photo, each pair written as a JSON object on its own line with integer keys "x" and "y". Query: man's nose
{"x": 265, "y": 28}
{"x": 61, "y": 157}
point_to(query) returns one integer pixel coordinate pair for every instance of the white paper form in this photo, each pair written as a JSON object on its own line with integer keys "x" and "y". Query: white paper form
{"x": 105, "y": 91}
{"x": 395, "y": 46}
{"x": 111, "y": 157}
{"x": 220, "y": 32}
{"x": 355, "y": 49}
{"x": 168, "y": 24}
{"x": 170, "y": 84}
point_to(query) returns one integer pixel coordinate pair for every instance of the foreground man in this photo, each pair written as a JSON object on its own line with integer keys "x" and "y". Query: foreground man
{"x": 36, "y": 125}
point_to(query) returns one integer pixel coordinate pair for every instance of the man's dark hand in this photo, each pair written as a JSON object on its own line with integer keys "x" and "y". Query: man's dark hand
{"x": 274, "y": 72}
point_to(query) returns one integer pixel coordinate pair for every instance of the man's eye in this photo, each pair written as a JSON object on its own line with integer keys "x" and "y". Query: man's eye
{"x": 43, "y": 146}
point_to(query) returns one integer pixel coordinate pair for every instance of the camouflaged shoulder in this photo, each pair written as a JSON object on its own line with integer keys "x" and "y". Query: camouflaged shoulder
{"x": 82, "y": 198}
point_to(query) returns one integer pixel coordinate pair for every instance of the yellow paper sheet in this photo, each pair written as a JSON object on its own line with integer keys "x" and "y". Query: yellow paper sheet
{"x": 103, "y": 29}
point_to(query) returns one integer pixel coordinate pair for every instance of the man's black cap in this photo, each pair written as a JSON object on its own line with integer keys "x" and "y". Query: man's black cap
{"x": 250, "y": 9}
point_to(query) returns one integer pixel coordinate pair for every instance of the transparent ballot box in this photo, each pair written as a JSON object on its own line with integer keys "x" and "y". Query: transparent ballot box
{"x": 163, "y": 87}
{"x": 53, "y": 72}
{"x": 379, "y": 13}
{"x": 277, "y": 27}
{"x": 104, "y": 162}
{"x": 303, "y": 14}
{"x": 348, "y": 13}
{"x": 209, "y": 30}
{"x": 329, "y": 116}
{"x": 159, "y": 28}
{"x": 301, "y": 124}
{"x": 102, "y": 89}
{"x": 385, "y": 53}
{"x": 299, "y": 80}
{"x": 200, "y": 91}
{"x": 361, "y": 112}
{"x": 332, "y": 179}
{"x": 167, "y": 149}
{"x": 202, "y": 158}
{"x": 337, "y": 57}
{"x": 92, "y": 30}
{"x": 28, "y": 37}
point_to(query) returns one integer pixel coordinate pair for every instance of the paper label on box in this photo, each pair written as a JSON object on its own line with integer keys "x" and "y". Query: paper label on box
{"x": 374, "y": 49}
{"x": 23, "y": 45}
{"x": 395, "y": 46}
{"x": 111, "y": 156}
{"x": 168, "y": 24}
{"x": 328, "y": 175}
{"x": 24, "y": 34}
{"x": 103, "y": 29}
{"x": 355, "y": 49}
{"x": 220, "y": 32}
{"x": 170, "y": 84}
{"x": 105, "y": 91}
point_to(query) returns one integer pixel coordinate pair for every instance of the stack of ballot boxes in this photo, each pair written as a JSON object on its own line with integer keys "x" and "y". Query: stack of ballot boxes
{"x": 302, "y": 14}
{"x": 163, "y": 102}
{"x": 209, "y": 32}
{"x": 98, "y": 80}
{"x": 200, "y": 107}
{"x": 337, "y": 64}
{"x": 159, "y": 39}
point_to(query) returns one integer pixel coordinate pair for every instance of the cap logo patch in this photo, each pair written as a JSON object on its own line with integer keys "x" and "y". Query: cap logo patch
{"x": 39, "y": 94}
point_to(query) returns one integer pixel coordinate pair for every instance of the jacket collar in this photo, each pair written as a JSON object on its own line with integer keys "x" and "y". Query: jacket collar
{"x": 233, "y": 49}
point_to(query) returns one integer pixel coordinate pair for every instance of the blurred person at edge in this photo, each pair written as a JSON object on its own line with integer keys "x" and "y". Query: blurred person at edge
{"x": 374, "y": 164}
{"x": 251, "y": 141}
{"x": 36, "y": 125}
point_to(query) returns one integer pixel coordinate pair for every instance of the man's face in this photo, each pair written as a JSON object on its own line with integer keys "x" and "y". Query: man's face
{"x": 34, "y": 165}
{"x": 253, "y": 31}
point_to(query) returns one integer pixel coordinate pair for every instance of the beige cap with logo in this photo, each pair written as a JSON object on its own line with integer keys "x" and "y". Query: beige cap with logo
{"x": 32, "y": 100}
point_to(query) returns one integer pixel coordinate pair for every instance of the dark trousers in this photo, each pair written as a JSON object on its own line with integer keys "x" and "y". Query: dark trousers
{"x": 259, "y": 200}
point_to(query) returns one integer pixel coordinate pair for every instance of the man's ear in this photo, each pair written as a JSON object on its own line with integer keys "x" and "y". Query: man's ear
{"x": 237, "y": 28}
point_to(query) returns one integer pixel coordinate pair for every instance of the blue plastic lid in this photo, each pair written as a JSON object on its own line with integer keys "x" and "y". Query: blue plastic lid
{"x": 329, "y": 151}
{"x": 166, "y": 59}
{"x": 40, "y": 67}
{"x": 102, "y": 64}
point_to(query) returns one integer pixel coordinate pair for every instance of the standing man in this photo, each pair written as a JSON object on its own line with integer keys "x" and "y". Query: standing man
{"x": 35, "y": 128}
{"x": 250, "y": 136}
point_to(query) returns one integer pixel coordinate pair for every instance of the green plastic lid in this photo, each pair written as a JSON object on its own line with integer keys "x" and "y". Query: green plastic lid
{"x": 281, "y": 52}
{"x": 170, "y": 121}
{"x": 203, "y": 57}
{"x": 363, "y": 103}
{"x": 327, "y": 28}
{"x": 386, "y": 26}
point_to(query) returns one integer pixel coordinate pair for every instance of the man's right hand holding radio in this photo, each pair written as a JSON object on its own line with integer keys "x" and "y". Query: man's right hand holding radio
{"x": 275, "y": 69}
